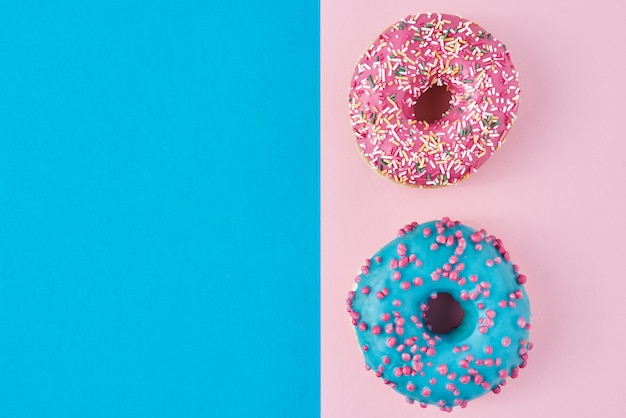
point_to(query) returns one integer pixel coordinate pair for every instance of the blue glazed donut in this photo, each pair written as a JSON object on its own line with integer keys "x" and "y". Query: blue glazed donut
{"x": 389, "y": 309}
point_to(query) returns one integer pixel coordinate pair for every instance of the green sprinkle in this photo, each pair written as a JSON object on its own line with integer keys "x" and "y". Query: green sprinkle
{"x": 468, "y": 80}
{"x": 369, "y": 77}
{"x": 373, "y": 118}
{"x": 418, "y": 38}
{"x": 458, "y": 109}
{"x": 393, "y": 97}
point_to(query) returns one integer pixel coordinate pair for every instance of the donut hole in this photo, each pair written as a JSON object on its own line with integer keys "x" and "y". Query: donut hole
{"x": 433, "y": 104}
{"x": 444, "y": 313}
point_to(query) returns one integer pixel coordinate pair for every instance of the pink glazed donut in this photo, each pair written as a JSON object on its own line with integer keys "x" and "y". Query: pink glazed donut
{"x": 404, "y": 62}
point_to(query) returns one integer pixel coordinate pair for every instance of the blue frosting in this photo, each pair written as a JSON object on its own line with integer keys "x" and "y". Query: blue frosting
{"x": 389, "y": 303}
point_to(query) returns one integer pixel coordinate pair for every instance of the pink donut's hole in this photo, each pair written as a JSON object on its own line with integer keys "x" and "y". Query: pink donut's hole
{"x": 444, "y": 313}
{"x": 433, "y": 104}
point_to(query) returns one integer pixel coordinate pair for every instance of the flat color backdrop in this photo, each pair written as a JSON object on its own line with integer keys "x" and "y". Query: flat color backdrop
{"x": 159, "y": 209}
{"x": 553, "y": 193}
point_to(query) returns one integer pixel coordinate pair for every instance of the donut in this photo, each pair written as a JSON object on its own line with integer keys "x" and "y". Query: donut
{"x": 402, "y": 64}
{"x": 393, "y": 297}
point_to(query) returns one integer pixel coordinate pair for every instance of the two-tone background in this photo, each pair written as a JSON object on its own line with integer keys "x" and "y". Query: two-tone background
{"x": 182, "y": 208}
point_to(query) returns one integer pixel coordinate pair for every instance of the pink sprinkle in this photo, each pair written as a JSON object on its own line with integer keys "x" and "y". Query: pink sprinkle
{"x": 378, "y": 259}
{"x": 426, "y": 232}
{"x": 458, "y": 234}
{"x": 401, "y": 250}
{"x": 490, "y": 313}
{"x": 465, "y": 379}
{"x": 497, "y": 260}
{"x": 362, "y": 326}
{"x": 443, "y": 369}
{"x": 497, "y": 389}
{"x": 450, "y": 241}
{"x": 483, "y": 329}
{"x": 405, "y": 285}
{"x": 462, "y": 281}
{"x": 396, "y": 275}
{"x": 452, "y": 376}
{"x": 380, "y": 295}
{"x": 521, "y": 279}
{"x": 393, "y": 263}
{"x": 426, "y": 392}
{"x": 478, "y": 379}
{"x": 418, "y": 281}
{"x": 399, "y": 330}
{"x": 433, "y": 246}
{"x": 478, "y": 247}
{"x": 454, "y": 276}
{"x": 434, "y": 276}
{"x": 506, "y": 341}
{"x": 521, "y": 322}
{"x": 489, "y": 349}
{"x": 386, "y": 360}
{"x": 432, "y": 381}
{"x": 396, "y": 302}
{"x": 406, "y": 370}
{"x": 430, "y": 351}
{"x": 464, "y": 363}
{"x": 502, "y": 304}
{"x": 391, "y": 342}
{"x": 410, "y": 387}
{"x": 440, "y": 239}
{"x": 404, "y": 261}
{"x": 473, "y": 278}
{"x": 365, "y": 347}
{"x": 376, "y": 330}
{"x": 385, "y": 317}
{"x": 365, "y": 290}
{"x": 405, "y": 357}
{"x": 385, "y": 291}
{"x": 489, "y": 263}
{"x": 479, "y": 362}
{"x": 365, "y": 270}
{"x": 489, "y": 362}
{"x": 412, "y": 258}
{"x": 503, "y": 374}
{"x": 486, "y": 385}
{"x": 397, "y": 371}
{"x": 389, "y": 328}
{"x": 476, "y": 237}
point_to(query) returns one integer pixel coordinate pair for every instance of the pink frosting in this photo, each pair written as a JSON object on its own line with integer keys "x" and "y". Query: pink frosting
{"x": 405, "y": 61}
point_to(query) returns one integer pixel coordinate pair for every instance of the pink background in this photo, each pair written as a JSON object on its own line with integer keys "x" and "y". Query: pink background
{"x": 553, "y": 193}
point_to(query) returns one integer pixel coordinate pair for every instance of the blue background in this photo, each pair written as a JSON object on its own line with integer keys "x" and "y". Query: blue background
{"x": 159, "y": 209}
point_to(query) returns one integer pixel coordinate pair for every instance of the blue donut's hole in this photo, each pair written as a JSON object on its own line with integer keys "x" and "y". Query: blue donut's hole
{"x": 444, "y": 313}
{"x": 433, "y": 104}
